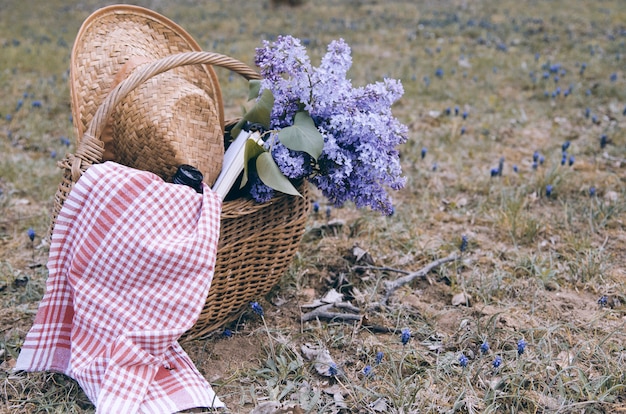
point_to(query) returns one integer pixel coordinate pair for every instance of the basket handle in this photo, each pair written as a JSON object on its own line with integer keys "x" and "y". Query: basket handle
{"x": 90, "y": 148}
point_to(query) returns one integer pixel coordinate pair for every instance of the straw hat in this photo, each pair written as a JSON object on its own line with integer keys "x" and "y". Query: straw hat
{"x": 173, "y": 118}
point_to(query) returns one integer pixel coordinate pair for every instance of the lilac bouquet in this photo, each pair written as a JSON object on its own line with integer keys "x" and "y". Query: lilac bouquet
{"x": 319, "y": 127}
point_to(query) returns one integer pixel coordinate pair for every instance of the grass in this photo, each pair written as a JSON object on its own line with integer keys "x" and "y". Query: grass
{"x": 536, "y": 265}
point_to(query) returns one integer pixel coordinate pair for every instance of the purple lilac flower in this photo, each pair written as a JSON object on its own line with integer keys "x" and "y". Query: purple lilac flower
{"x": 484, "y": 347}
{"x": 259, "y": 191}
{"x": 521, "y": 346}
{"x": 497, "y": 362}
{"x": 359, "y": 160}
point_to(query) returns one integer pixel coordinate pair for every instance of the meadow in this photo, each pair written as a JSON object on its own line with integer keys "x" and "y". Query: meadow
{"x": 516, "y": 173}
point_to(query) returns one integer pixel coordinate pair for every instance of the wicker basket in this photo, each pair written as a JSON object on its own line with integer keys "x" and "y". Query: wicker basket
{"x": 257, "y": 241}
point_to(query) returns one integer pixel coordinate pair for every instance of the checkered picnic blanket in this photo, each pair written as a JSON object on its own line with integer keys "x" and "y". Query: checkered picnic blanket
{"x": 131, "y": 262}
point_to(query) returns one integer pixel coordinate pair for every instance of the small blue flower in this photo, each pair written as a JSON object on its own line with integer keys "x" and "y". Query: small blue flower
{"x": 367, "y": 371}
{"x": 463, "y": 360}
{"x": 424, "y": 151}
{"x": 484, "y": 347}
{"x": 53, "y": 154}
{"x": 257, "y": 308}
{"x": 565, "y": 146}
{"x": 227, "y": 333}
{"x": 379, "y": 357}
{"x": 434, "y": 167}
{"x": 556, "y": 79}
{"x": 537, "y": 56}
{"x": 65, "y": 141}
{"x": 316, "y": 207}
{"x": 571, "y": 160}
{"x": 521, "y": 346}
{"x": 463, "y": 246}
{"x": 535, "y": 165}
{"x": 439, "y": 73}
{"x": 541, "y": 160}
{"x": 594, "y": 118}
{"x": 582, "y": 68}
{"x": 31, "y": 234}
{"x": 564, "y": 159}
{"x": 462, "y": 130}
{"x": 405, "y": 336}
{"x": 535, "y": 156}
{"x": 8, "y": 117}
{"x": 497, "y": 362}
{"x": 592, "y": 191}
{"x": 328, "y": 212}
{"x": 548, "y": 190}
{"x": 587, "y": 112}
{"x": 603, "y": 301}
{"x": 19, "y": 105}
{"x": 603, "y": 141}
{"x": 613, "y": 77}
{"x": 515, "y": 168}
{"x": 465, "y": 114}
{"x": 456, "y": 109}
{"x": 36, "y": 104}
{"x": 494, "y": 172}
{"x": 332, "y": 369}
{"x": 448, "y": 111}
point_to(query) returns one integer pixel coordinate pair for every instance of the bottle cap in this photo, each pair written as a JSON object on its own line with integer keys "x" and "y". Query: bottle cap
{"x": 190, "y": 176}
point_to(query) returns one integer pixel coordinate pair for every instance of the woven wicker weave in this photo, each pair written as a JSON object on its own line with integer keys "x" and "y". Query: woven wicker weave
{"x": 257, "y": 241}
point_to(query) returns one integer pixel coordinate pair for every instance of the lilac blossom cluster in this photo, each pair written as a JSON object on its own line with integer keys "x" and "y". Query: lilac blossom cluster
{"x": 359, "y": 159}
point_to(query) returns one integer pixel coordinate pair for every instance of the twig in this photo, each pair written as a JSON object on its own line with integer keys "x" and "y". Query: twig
{"x": 382, "y": 269}
{"x": 392, "y": 286}
{"x": 323, "y": 312}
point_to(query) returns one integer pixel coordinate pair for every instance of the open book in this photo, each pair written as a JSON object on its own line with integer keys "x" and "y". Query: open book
{"x": 234, "y": 162}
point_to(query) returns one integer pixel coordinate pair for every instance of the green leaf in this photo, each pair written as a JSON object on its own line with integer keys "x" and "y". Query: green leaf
{"x": 255, "y": 88}
{"x": 302, "y": 136}
{"x": 251, "y": 151}
{"x": 271, "y": 175}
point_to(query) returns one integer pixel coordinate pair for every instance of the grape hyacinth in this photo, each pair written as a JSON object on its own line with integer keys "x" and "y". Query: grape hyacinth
{"x": 463, "y": 361}
{"x": 379, "y": 357}
{"x": 405, "y": 336}
{"x": 359, "y": 160}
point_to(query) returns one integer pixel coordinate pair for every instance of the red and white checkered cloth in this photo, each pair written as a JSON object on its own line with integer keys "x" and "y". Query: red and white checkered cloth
{"x": 130, "y": 266}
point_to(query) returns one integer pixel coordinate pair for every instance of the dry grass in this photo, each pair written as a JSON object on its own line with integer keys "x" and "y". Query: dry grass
{"x": 535, "y": 266}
